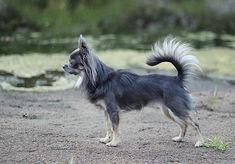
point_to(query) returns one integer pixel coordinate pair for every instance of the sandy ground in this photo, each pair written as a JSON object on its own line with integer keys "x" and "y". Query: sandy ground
{"x": 62, "y": 126}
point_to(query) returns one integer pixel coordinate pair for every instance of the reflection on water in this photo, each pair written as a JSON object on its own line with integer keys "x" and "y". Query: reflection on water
{"x": 37, "y": 43}
{"x": 47, "y": 79}
{"x": 55, "y": 80}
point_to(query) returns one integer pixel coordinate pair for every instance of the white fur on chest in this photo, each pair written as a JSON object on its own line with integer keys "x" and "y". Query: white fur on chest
{"x": 100, "y": 104}
{"x": 80, "y": 80}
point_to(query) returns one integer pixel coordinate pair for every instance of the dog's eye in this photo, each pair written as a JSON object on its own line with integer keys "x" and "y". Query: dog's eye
{"x": 75, "y": 66}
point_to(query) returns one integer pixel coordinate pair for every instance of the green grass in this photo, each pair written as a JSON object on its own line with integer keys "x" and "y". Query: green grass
{"x": 214, "y": 99}
{"x": 122, "y": 16}
{"x": 216, "y": 61}
{"x": 213, "y": 61}
{"x": 32, "y": 64}
{"x": 217, "y": 144}
{"x": 70, "y": 162}
{"x": 58, "y": 18}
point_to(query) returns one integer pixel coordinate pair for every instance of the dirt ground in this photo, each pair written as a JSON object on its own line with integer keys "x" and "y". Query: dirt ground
{"x": 57, "y": 127}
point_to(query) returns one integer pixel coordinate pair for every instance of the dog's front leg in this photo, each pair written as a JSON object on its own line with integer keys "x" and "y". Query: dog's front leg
{"x": 114, "y": 117}
{"x": 109, "y": 133}
{"x": 113, "y": 114}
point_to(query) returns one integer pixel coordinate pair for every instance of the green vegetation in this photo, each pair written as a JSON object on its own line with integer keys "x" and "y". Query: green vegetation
{"x": 217, "y": 144}
{"x": 37, "y": 42}
{"x": 49, "y": 26}
{"x": 22, "y": 65}
{"x": 71, "y": 161}
{"x": 33, "y": 64}
{"x": 217, "y": 61}
{"x": 63, "y": 17}
{"x": 214, "y": 99}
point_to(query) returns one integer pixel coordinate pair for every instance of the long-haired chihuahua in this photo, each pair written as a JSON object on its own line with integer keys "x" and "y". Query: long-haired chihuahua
{"x": 115, "y": 90}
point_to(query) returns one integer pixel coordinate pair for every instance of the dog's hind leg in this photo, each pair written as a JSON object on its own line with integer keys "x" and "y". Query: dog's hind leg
{"x": 109, "y": 133}
{"x": 183, "y": 128}
{"x": 183, "y": 125}
{"x": 200, "y": 140}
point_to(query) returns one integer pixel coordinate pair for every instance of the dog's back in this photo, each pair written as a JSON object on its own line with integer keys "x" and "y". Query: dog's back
{"x": 132, "y": 91}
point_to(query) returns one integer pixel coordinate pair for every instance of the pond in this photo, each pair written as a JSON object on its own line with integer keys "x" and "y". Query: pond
{"x": 46, "y": 79}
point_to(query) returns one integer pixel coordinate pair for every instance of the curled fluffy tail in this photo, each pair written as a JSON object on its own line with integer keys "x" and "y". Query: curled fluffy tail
{"x": 177, "y": 53}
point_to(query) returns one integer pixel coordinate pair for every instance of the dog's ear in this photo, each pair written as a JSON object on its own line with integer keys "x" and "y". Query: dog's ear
{"x": 82, "y": 43}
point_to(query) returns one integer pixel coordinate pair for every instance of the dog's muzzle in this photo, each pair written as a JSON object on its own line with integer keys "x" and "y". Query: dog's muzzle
{"x": 70, "y": 70}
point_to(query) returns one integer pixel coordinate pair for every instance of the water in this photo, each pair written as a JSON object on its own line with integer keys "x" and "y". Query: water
{"x": 35, "y": 42}
{"x": 46, "y": 79}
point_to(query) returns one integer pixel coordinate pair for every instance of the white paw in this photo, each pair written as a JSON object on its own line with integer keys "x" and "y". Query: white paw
{"x": 112, "y": 143}
{"x": 199, "y": 143}
{"x": 177, "y": 139}
{"x": 105, "y": 140}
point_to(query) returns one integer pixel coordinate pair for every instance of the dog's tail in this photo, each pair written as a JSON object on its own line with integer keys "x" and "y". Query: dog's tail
{"x": 178, "y": 53}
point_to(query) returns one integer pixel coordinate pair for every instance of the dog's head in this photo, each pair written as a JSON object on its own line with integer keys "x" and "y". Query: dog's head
{"x": 78, "y": 58}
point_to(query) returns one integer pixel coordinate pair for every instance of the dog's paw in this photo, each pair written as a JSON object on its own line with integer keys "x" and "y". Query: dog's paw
{"x": 105, "y": 140}
{"x": 112, "y": 143}
{"x": 199, "y": 143}
{"x": 177, "y": 139}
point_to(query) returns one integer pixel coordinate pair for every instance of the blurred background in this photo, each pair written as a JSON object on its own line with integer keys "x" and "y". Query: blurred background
{"x": 36, "y": 36}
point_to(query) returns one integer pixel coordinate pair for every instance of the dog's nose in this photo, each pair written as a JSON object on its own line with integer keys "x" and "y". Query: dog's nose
{"x": 65, "y": 66}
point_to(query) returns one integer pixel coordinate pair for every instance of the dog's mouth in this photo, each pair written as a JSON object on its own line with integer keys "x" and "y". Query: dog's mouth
{"x": 67, "y": 68}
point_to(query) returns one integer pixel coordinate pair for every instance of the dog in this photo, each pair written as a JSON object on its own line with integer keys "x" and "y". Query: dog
{"x": 115, "y": 90}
